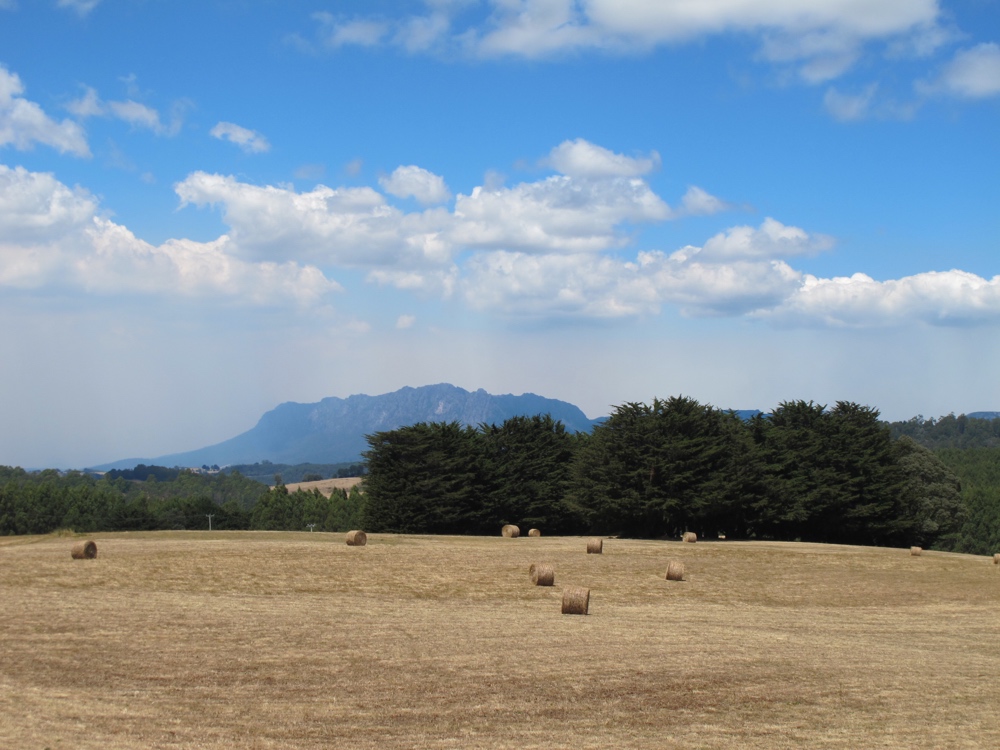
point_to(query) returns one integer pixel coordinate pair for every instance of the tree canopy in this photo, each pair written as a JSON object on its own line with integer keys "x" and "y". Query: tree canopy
{"x": 804, "y": 472}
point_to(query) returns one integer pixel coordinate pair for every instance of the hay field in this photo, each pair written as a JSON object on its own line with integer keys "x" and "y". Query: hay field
{"x": 296, "y": 640}
{"x": 325, "y": 486}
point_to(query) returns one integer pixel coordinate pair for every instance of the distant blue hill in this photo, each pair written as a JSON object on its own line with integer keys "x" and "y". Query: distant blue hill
{"x": 333, "y": 430}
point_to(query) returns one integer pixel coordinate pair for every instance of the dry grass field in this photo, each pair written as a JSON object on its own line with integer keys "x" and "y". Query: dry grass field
{"x": 326, "y": 486}
{"x": 296, "y": 640}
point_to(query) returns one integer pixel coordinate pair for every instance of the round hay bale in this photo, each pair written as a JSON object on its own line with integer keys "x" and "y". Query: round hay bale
{"x": 996, "y": 559}
{"x": 542, "y": 574}
{"x": 689, "y": 536}
{"x": 534, "y": 532}
{"x": 576, "y": 601}
{"x": 675, "y": 570}
{"x": 916, "y": 551}
{"x": 511, "y": 531}
{"x": 595, "y": 546}
{"x": 357, "y": 538}
{"x": 84, "y": 550}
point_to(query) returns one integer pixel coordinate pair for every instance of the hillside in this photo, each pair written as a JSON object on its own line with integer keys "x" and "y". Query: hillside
{"x": 333, "y": 430}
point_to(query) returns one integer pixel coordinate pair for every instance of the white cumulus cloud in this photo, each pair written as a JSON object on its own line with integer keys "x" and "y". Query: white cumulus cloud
{"x": 136, "y": 114}
{"x": 347, "y": 226}
{"x": 580, "y": 158}
{"x": 357, "y": 227}
{"x": 51, "y": 234}
{"x": 249, "y": 141}
{"x": 971, "y": 74}
{"x": 414, "y": 182}
{"x": 698, "y": 202}
{"x": 36, "y": 206}
{"x": 557, "y": 214}
{"x": 88, "y": 105}
{"x": 121, "y": 263}
{"x": 23, "y": 123}
{"x": 937, "y": 297}
{"x": 735, "y": 273}
{"x": 517, "y": 284}
{"x": 770, "y": 240}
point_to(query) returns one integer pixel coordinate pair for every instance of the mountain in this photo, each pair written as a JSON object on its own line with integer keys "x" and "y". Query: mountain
{"x": 333, "y": 430}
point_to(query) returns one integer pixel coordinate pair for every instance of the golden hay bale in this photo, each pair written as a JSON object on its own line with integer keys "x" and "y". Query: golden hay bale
{"x": 595, "y": 546}
{"x": 576, "y": 601}
{"x": 511, "y": 531}
{"x": 675, "y": 570}
{"x": 357, "y": 538}
{"x": 534, "y": 532}
{"x": 916, "y": 551}
{"x": 84, "y": 550}
{"x": 996, "y": 559}
{"x": 542, "y": 574}
{"x": 689, "y": 536}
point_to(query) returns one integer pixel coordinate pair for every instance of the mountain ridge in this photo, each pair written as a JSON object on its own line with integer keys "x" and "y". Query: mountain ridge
{"x": 333, "y": 429}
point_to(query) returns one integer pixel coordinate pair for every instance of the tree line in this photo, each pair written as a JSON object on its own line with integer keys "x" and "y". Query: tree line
{"x": 42, "y": 502}
{"x": 650, "y": 470}
{"x": 655, "y": 470}
{"x": 969, "y": 447}
{"x": 949, "y": 431}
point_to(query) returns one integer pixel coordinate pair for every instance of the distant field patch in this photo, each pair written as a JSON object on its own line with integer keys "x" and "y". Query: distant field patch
{"x": 326, "y": 486}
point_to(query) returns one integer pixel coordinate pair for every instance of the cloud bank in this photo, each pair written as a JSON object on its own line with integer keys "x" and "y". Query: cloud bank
{"x": 563, "y": 246}
{"x": 52, "y": 236}
{"x": 814, "y": 43}
{"x": 822, "y": 39}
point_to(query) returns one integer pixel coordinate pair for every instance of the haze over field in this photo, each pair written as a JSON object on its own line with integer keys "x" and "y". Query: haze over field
{"x": 208, "y": 209}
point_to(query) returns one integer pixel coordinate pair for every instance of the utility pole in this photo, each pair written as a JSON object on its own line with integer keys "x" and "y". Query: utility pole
{"x": 209, "y": 516}
{"x": 310, "y": 525}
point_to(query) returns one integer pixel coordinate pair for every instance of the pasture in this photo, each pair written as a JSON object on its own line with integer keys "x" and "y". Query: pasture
{"x": 326, "y": 486}
{"x": 296, "y": 640}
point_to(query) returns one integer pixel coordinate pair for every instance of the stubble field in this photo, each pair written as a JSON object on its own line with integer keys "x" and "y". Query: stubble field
{"x": 326, "y": 486}
{"x": 275, "y": 640}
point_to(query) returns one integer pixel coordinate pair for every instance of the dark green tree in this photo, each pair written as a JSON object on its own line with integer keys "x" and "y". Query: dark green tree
{"x": 836, "y": 475}
{"x": 659, "y": 469}
{"x": 426, "y": 478}
{"x": 930, "y": 511}
{"x": 275, "y": 511}
{"x": 528, "y": 461}
{"x": 344, "y": 510}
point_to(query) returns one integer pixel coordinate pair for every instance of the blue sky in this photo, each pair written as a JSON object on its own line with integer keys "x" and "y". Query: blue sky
{"x": 207, "y": 209}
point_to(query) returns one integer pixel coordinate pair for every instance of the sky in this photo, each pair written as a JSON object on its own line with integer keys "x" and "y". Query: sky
{"x": 211, "y": 208}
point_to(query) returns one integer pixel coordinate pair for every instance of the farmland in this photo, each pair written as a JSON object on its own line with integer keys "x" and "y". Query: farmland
{"x": 275, "y": 639}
